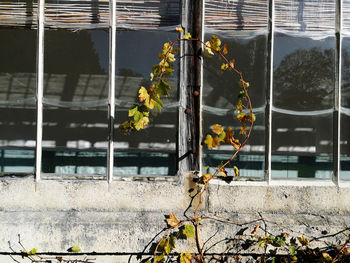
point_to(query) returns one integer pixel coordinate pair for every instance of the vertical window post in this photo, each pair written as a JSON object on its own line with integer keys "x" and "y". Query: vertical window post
{"x": 270, "y": 92}
{"x": 337, "y": 94}
{"x": 39, "y": 87}
{"x": 111, "y": 103}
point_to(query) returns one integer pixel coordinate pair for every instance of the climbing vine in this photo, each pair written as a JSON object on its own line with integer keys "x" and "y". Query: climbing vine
{"x": 287, "y": 246}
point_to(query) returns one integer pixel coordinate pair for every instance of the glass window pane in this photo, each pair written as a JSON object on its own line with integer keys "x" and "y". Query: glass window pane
{"x": 345, "y": 112}
{"x": 303, "y": 99}
{"x": 152, "y": 150}
{"x": 220, "y": 96}
{"x": 17, "y": 99}
{"x": 75, "y": 122}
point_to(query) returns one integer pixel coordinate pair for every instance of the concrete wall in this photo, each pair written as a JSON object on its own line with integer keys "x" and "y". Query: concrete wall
{"x": 119, "y": 219}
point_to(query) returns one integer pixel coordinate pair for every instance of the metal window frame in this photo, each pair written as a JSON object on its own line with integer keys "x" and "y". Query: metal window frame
{"x": 189, "y": 151}
{"x": 185, "y": 121}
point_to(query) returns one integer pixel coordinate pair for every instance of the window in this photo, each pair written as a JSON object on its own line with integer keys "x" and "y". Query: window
{"x": 60, "y": 112}
{"x": 69, "y": 102}
{"x": 296, "y": 66}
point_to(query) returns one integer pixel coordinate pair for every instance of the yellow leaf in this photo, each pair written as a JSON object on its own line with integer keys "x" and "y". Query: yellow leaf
{"x": 142, "y": 123}
{"x": 205, "y": 178}
{"x": 239, "y": 106}
{"x": 236, "y": 170}
{"x": 232, "y": 63}
{"x": 185, "y": 258}
{"x": 224, "y": 66}
{"x": 241, "y": 116}
{"x": 172, "y": 220}
{"x": 207, "y": 49}
{"x": 187, "y": 36}
{"x": 209, "y": 141}
{"x": 217, "y": 128}
{"x": 224, "y": 50}
{"x": 151, "y": 76}
{"x": 223, "y": 172}
{"x": 235, "y": 143}
{"x": 146, "y": 98}
{"x": 179, "y": 29}
{"x": 243, "y": 129}
{"x": 229, "y": 136}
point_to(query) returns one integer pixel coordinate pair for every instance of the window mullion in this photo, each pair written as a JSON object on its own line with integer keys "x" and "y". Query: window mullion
{"x": 337, "y": 95}
{"x": 112, "y": 65}
{"x": 39, "y": 88}
{"x": 270, "y": 92}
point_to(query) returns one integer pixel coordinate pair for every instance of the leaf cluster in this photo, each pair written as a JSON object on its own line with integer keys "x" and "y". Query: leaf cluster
{"x": 151, "y": 97}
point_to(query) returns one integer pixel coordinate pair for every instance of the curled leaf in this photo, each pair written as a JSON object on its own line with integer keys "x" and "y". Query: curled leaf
{"x": 172, "y": 220}
{"x": 179, "y": 29}
{"x": 236, "y": 171}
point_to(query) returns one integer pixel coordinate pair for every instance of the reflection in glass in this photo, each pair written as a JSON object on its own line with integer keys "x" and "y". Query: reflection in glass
{"x": 153, "y": 150}
{"x": 75, "y": 121}
{"x": 345, "y": 112}
{"x": 220, "y": 98}
{"x": 17, "y": 100}
{"x": 302, "y": 117}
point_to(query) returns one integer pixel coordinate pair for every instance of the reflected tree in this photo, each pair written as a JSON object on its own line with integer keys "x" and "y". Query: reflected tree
{"x": 304, "y": 80}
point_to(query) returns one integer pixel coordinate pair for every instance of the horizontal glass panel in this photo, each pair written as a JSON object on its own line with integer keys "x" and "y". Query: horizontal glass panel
{"x": 345, "y": 112}
{"x": 75, "y": 121}
{"x": 152, "y": 150}
{"x": 303, "y": 99}
{"x": 220, "y": 96}
{"x": 17, "y": 100}
{"x": 74, "y": 140}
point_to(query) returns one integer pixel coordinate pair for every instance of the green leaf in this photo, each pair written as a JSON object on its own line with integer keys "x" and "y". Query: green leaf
{"x": 292, "y": 250}
{"x": 162, "y": 89}
{"x": 188, "y": 231}
{"x": 74, "y": 249}
{"x": 169, "y": 245}
{"x": 159, "y": 259}
{"x": 185, "y": 258}
{"x": 133, "y": 110}
{"x": 32, "y": 252}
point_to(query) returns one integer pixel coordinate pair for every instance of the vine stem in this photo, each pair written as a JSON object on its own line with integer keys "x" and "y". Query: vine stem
{"x": 196, "y": 218}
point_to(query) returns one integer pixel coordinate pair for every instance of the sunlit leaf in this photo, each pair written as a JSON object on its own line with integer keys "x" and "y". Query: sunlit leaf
{"x": 179, "y": 29}
{"x": 187, "y": 36}
{"x": 141, "y": 123}
{"x": 326, "y": 257}
{"x": 172, "y": 220}
{"x": 217, "y": 128}
{"x": 303, "y": 241}
{"x": 185, "y": 258}
{"x": 224, "y": 49}
{"x": 236, "y": 170}
{"x": 74, "y": 249}
{"x": 232, "y": 63}
{"x": 146, "y": 98}
{"x": 239, "y": 106}
{"x": 188, "y": 231}
{"x": 32, "y": 252}
{"x": 224, "y": 66}
{"x": 151, "y": 76}
{"x": 159, "y": 258}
